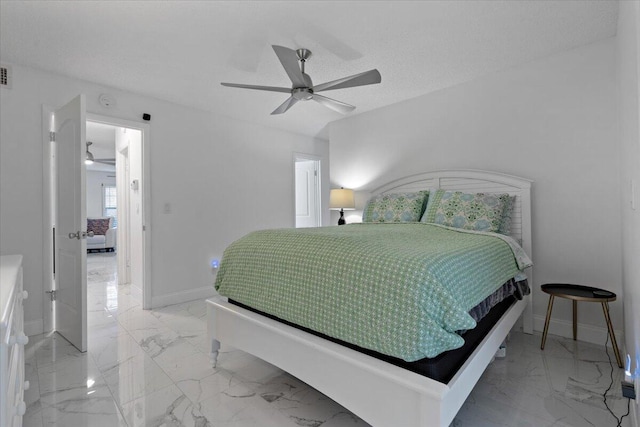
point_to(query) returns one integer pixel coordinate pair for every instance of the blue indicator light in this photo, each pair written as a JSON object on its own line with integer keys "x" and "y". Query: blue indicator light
{"x": 215, "y": 263}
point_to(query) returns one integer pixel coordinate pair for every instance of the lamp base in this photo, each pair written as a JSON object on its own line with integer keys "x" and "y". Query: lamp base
{"x": 341, "y": 221}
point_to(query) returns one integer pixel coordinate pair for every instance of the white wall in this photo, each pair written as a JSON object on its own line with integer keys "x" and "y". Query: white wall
{"x": 553, "y": 121}
{"x": 222, "y": 177}
{"x": 95, "y": 180}
{"x": 628, "y": 58}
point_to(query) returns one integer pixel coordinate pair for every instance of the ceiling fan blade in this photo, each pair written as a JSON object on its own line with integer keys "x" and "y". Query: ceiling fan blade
{"x": 111, "y": 162}
{"x": 269, "y": 88}
{"x": 289, "y": 60}
{"x": 367, "y": 78}
{"x": 338, "y": 106}
{"x": 290, "y": 102}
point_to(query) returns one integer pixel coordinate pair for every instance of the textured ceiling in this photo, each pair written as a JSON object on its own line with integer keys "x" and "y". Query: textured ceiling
{"x": 181, "y": 51}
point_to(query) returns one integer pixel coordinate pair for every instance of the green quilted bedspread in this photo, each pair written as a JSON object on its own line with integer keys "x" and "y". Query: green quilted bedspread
{"x": 399, "y": 289}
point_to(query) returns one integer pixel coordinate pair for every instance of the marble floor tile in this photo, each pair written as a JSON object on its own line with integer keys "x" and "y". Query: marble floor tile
{"x": 96, "y": 410}
{"x": 115, "y": 352}
{"x": 52, "y": 348}
{"x": 80, "y": 374}
{"x": 199, "y": 341}
{"x": 166, "y": 407}
{"x": 157, "y": 339}
{"x": 151, "y": 368}
{"x": 193, "y": 365}
{"x": 135, "y": 377}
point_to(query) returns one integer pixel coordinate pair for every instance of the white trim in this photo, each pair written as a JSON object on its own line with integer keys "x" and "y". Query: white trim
{"x": 380, "y": 393}
{"x": 34, "y": 327}
{"x": 182, "y": 296}
{"x": 587, "y": 333}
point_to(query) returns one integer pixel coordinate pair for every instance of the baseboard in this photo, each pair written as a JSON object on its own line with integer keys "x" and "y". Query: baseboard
{"x": 34, "y": 327}
{"x": 587, "y": 333}
{"x": 183, "y": 296}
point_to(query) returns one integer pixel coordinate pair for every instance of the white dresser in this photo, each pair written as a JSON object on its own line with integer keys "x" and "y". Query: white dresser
{"x": 12, "y": 382}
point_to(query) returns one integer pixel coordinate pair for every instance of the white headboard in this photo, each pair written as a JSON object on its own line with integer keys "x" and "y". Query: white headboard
{"x": 476, "y": 181}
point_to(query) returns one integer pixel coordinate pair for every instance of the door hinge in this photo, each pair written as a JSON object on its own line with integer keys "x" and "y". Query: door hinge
{"x": 52, "y": 294}
{"x": 52, "y": 136}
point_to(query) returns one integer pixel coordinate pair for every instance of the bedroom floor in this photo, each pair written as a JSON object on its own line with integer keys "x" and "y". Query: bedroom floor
{"x": 151, "y": 368}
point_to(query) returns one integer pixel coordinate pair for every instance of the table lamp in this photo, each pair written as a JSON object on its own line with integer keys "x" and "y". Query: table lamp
{"x": 342, "y": 199}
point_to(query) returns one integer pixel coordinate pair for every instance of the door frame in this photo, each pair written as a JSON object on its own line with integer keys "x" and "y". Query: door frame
{"x": 303, "y": 157}
{"x": 48, "y": 169}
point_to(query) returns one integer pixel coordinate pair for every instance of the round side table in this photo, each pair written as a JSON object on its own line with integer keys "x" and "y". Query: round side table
{"x": 580, "y": 293}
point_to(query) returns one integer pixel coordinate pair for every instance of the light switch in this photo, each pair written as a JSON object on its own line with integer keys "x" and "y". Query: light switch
{"x": 167, "y": 208}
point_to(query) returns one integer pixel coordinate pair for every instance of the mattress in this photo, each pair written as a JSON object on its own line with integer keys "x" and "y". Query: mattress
{"x": 398, "y": 289}
{"x": 444, "y": 366}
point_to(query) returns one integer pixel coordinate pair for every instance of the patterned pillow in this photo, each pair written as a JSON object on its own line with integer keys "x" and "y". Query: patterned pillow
{"x": 399, "y": 207}
{"x": 470, "y": 211}
{"x": 505, "y": 223}
{"x": 99, "y": 226}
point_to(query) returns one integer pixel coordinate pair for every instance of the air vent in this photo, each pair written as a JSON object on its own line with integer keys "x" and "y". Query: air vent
{"x": 5, "y": 76}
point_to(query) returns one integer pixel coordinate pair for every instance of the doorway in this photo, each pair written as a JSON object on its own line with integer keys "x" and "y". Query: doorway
{"x": 52, "y": 156}
{"x": 130, "y": 150}
{"x": 307, "y": 191}
{"x": 113, "y": 191}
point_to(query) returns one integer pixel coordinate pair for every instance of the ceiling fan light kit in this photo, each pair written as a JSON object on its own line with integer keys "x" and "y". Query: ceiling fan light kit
{"x": 302, "y": 88}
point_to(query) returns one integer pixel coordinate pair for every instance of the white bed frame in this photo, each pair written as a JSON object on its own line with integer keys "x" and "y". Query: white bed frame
{"x": 380, "y": 393}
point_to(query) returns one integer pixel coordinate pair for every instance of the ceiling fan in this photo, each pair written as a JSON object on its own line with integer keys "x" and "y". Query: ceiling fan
{"x": 90, "y": 159}
{"x": 302, "y": 88}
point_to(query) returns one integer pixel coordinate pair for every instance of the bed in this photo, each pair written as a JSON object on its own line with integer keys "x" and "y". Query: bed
{"x": 364, "y": 384}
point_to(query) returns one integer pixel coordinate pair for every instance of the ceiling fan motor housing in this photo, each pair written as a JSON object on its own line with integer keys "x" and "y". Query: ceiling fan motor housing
{"x": 302, "y": 93}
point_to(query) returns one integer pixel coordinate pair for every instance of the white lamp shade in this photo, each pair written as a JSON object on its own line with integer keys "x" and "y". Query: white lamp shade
{"x": 342, "y": 199}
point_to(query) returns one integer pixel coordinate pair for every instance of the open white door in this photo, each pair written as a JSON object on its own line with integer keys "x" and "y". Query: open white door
{"x": 71, "y": 223}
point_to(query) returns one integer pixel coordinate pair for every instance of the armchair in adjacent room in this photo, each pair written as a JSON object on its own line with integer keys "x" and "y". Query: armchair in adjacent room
{"x": 104, "y": 234}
